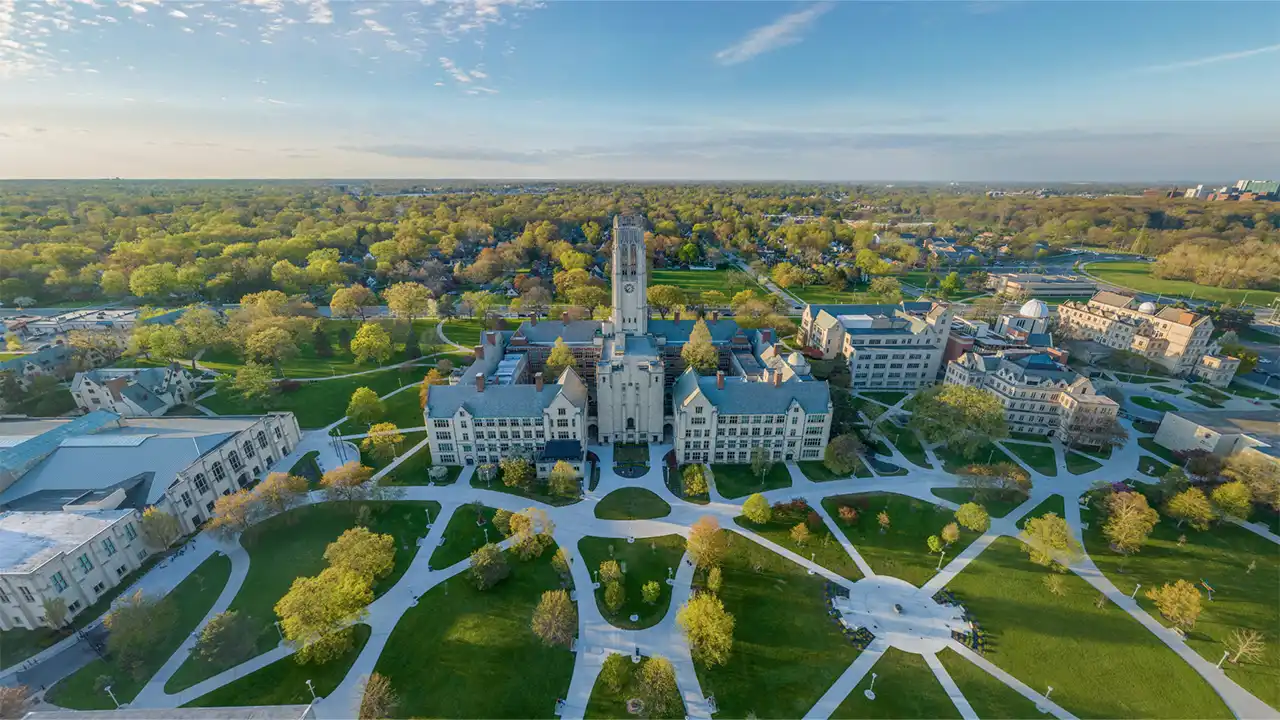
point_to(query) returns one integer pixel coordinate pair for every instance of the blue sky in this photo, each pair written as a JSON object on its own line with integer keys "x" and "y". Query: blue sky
{"x": 931, "y": 91}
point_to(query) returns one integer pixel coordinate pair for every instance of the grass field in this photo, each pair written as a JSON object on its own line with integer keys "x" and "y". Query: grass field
{"x": 901, "y": 551}
{"x": 416, "y": 468}
{"x": 1037, "y": 457}
{"x": 464, "y": 332}
{"x": 905, "y": 688}
{"x": 1138, "y": 276}
{"x": 786, "y": 650}
{"x": 319, "y": 403}
{"x": 291, "y": 545}
{"x": 907, "y": 442}
{"x": 990, "y": 698}
{"x": 284, "y": 682}
{"x": 953, "y": 461}
{"x": 539, "y": 492}
{"x": 1251, "y": 392}
{"x": 1079, "y": 464}
{"x": 700, "y": 281}
{"x": 606, "y": 704}
{"x": 306, "y": 364}
{"x": 1151, "y": 403}
{"x": 822, "y": 547}
{"x": 818, "y": 472}
{"x": 188, "y": 603}
{"x": 645, "y": 560}
{"x": 1160, "y": 451}
{"x": 1053, "y": 504}
{"x": 1243, "y": 599}
{"x": 1100, "y": 662}
{"x": 1029, "y": 437}
{"x": 632, "y": 503}
{"x": 735, "y": 481}
{"x": 997, "y": 504}
{"x": 464, "y": 534}
{"x": 463, "y": 652}
{"x": 827, "y": 295}
{"x": 404, "y": 409}
{"x": 888, "y": 397}
{"x": 872, "y": 410}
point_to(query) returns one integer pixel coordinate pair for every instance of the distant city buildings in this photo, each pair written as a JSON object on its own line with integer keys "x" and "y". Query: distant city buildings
{"x": 1242, "y": 190}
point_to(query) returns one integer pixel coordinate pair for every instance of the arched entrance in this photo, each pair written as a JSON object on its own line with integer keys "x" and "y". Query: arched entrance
{"x": 668, "y": 433}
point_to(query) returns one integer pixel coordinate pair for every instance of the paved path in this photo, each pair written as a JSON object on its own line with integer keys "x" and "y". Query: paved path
{"x": 597, "y": 638}
{"x": 949, "y": 685}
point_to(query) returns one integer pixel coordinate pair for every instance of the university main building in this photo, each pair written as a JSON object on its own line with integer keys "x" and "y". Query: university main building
{"x": 629, "y": 384}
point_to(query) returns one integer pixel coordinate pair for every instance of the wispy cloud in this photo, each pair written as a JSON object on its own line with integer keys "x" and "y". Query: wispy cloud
{"x": 452, "y": 68}
{"x": 786, "y": 30}
{"x": 1211, "y": 60}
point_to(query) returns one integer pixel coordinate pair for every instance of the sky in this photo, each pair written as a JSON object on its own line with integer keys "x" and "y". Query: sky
{"x": 613, "y": 89}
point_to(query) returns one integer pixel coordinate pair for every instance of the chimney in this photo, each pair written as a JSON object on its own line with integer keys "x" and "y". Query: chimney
{"x": 479, "y": 382}
{"x": 491, "y": 337}
{"x": 478, "y": 351}
{"x": 777, "y": 378}
{"x": 537, "y": 381}
{"x": 534, "y": 320}
{"x": 767, "y": 335}
{"x": 564, "y": 316}
{"x": 715, "y": 316}
{"x": 677, "y": 316}
{"x": 719, "y": 379}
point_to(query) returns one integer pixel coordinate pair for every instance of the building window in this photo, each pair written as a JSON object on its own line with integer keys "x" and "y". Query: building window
{"x": 248, "y": 449}
{"x": 108, "y": 547}
{"x": 59, "y": 584}
{"x": 130, "y": 532}
{"x": 120, "y": 571}
{"x": 97, "y": 589}
{"x": 262, "y": 440}
{"x": 85, "y": 563}
{"x": 218, "y": 472}
{"x": 209, "y": 506}
{"x": 202, "y": 485}
{"x": 279, "y": 434}
{"x": 234, "y": 458}
{"x": 186, "y": 499}
{"x": 26, "y": 594}
{"x": 3, "y": 597}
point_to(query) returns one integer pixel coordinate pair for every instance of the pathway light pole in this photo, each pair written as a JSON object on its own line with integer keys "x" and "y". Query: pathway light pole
{"x": 1225, "y": 653}
{"x": 312, "y": 689}
{"x": 870, "y": 691}
{"x": 113, "y": 696}
{"x": 1134, "y": 595}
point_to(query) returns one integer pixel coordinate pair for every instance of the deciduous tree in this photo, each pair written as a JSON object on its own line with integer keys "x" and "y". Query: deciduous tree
{"x": 1260, "y": 473}
{"x": 280, "y": 491}
{"x": 227, "y": 640}
{"x": 757, "y": 509}
{"x": 488, "y": 566}
{"x": 1129, "y": 521}
{"x": 964, "y": 418}
{"x": 159, "y": 528}
{"x": 14, "y": 700}
{"x": 1192, "y": 507}
{"x": 350, "y": 302}
{"x": 408, "y": 300}
{"x": 699, "y": 353}
{"x": 950, "y": 533}
{"x": 695, "y": 481}
{"x": 317, "y": 612}
{"x": 842, "y": 455}
{"x": 650, "y": 592}
{"x": 706, "y": 544}
{"x": 371, "y": 342}
{"x": 1049, "y": 542}
{"x": 1245, "y": 644}
{"x": 347, "y": 482}
{"x": 614, "y": 596}
{"x": 800, "y": 534}
{"x": 379, "y": 700}
{"x": 555, "y": 620}
{"x": 137, "y": 624}
{"x": 665, "y": 297}
{"x": 658, "y": 689}
{"x": 560, "y": 358}
{"x": 563, "y": 480}
{"x": 383, "y": 441}
{"x": 1178, "y": 602}
{"x": 365, "y": 406}
{"x": 517, "y": 472}
{"x": 1233, "y": 499}
{"x": 974, "y": 517}
{"x": 616, "y": 671}
{"x": 234, "y": 513}
{"x": 368, "y": 554}
{"x": 708, "y": 628}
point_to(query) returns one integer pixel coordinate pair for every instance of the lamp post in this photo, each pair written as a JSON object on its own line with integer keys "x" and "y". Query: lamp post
{"x": 312, "y": 689}
{"x": 870, "y": 691}
{"x": 1134, "y": 595}
{"x": 113, "y": 696}
{"x": 278, "y": 629}
{"x": 1225, "y": 653}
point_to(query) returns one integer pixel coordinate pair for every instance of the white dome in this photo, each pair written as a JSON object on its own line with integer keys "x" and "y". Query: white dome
{"x": 1147, "y": 307}
{"x": 1035, "y": 309}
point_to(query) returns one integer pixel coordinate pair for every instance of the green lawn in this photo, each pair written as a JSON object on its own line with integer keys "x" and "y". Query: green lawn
{"x": 905, "y": 688}
{"x": 827, "y": 295}
{"x": 464, "y": 332}
{"x": 1169, "y": 389}
{"x": 284, "y": 682}
{"x": 822, "y": 547}
{"x": 1160, "y": 451}
{"x": 1251, "y": 392}
{"x": 19, "y": 644}
{"x": 308, "y": 468}
{"x": 1029, "y": 437}
{"x": 54, "y": 403}
{"x": 907, "y": 442}
{"x": 405, "y": 468}
{"x": 786, "y": 650}
{"x": 1101, "y": 662}
{"x": 415, "y": 469}
{"x": 990, "y": 698}
{"x": 987, "y": 454}
{"x": 1152, "y": 403}
{"x": 1205, "y": 401}
{"x": 700, "y": 281}
{"x": 735, "y": 481}
{"x": 404, "y": 409}
{"x": 1242, "y": 599}
{"x": 816, "y": 471}
{"x": 464, "y": 534}
{"x": 1137, "y": 275}
{"x": 1210, "y": 391}
{"x": 1152, "y": 467}
{"x": 631, "y": 453}
{"x": 291, "y": 545}
{"x": 888, "y": 397}
{"x": 873, "y": 410}
{"x": 901, "y": 551}
{"x": 463, "y": 652}
{"x": 606, "y": 704}
{"x": 997, "y": 504}
{"x": 1251, "y": 334}
{"x": 632, "y": 503}
{"x": 1038, "y": 457}
{"x": 1078, "y": 464}
{"x": 189, "y": 602}
{"x": 317, "y": 403}
{"x": 1138, "y": 379}
{"x": 644, "y": 560}
{"x": 539, "y": 492}
{"x": 1053, "y": 504}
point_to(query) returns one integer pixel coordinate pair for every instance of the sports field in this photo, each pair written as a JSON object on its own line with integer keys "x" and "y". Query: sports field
{"x": 1137, "y": 275}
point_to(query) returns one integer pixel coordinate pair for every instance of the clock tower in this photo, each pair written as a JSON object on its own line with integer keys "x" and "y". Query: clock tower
{"x": 630, "y": 273}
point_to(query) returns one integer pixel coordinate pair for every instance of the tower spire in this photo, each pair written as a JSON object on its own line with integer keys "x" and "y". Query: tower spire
{"x": 630, "y": 273}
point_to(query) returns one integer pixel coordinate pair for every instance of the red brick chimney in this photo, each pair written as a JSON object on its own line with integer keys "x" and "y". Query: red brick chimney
{"x": 677, "y": 316}
{"x": 564, "y": 316}
{"x": 767, "y": 335}
{"x": 719, "y": 379}
{"x": 715, "y": 316}
{"x": 537, "y": 381}
{"x": 534, "y": 320}
{"x": 491, "y": 337}
{"x": 478, "y": 351}
{"x": 479, "y": 382}
{"x": 777, "y": 378}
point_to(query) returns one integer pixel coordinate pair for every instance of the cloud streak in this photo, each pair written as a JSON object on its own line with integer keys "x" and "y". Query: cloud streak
{"x": 1211, "y": 60}
{"x": 786, "y": 30}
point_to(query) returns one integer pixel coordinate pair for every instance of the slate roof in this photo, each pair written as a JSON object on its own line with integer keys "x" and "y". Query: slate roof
{"x": 500, "y": 401}
{"x": 47, "y": 359}
{"x": 742, "y": 397}
{"x": 546, "y": 331}
{"x": 561, "y": 450}
{"x": 677, "y": 332}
